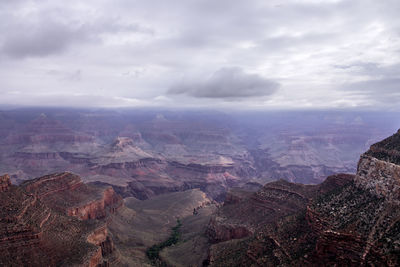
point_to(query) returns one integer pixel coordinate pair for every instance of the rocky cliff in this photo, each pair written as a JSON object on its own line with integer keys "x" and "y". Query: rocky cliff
{"x": 345, "y": 221}
{"x": 35, "y": 229}
{"x": 67, "y": 193}
{"x": 379, "y": 169}
{"x": 98, "y": 208}
{"x": 244, "y": 213}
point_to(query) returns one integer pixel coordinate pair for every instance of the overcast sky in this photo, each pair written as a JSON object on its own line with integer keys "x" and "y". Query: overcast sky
{"x": 216, "y": 53}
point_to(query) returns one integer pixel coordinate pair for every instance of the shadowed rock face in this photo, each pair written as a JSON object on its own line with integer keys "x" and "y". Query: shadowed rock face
{"x": 35, "y": 229}
{"x": 244, "y": 213}
{"x": 345, "y": 221}
{"x": 387, "y": 150}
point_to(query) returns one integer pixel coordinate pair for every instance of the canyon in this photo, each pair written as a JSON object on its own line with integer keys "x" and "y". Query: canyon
{"x": 57, "y": 220}
{"x": 146, "y": 153}
{"x": 108, "y": 188}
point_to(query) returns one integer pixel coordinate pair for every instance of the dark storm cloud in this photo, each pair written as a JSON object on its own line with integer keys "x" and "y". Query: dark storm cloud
{"x": 227, "y": 83}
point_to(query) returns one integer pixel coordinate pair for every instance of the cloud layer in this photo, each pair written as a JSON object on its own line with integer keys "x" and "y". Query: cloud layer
{"x": 266, "y": 54}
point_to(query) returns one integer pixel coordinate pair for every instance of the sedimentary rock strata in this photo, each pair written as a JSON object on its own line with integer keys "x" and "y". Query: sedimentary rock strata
{"x": 35, "y": 229}
{"x": 346, "y": 221}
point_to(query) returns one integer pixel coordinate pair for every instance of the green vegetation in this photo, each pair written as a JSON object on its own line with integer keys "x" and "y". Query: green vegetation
{"x": 154, "y": 251}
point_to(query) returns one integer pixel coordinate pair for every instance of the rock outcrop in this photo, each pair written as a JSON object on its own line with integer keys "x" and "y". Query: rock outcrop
{"x": 35, "y": 229}
{"x": 98, "y": 208}
{"x": 243, "y": 214}
{"x": 379, "y": 169}
{"x": 67, "y": 193}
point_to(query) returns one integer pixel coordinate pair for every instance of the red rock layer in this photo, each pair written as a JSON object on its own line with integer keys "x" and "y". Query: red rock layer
{"x": 98, "y": 208}
{"x": 34, "y": 233}
{"x": 51, "y": 184}
{"x": 66, "y": 193}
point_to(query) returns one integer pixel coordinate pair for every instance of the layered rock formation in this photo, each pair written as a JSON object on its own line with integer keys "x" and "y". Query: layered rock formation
{"x": 148, "y": 177}
{"x": 146, "y": 153}
{"x": 67, "y": 193}
{"x": 35, "y": 229}
{"x": 345, "y": 221}
{"x": 243, "y": 215}
{"x": 379, "y": 169}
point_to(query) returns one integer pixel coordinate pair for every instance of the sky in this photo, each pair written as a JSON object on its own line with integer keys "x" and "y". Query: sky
{"x": 291, "y": 54}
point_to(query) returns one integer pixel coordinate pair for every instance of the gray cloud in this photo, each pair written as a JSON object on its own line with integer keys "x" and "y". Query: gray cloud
{"x": 227, "y": 83}
{"x": 374, "y": 70}
{"x": 381, "y": 84}
{"x": 324, "y": 53}
{"x": 74, "y": 76}
{"x": 386, "y": 90}
{"x": 41, "y": 40}
{"x": 48, "y": 30}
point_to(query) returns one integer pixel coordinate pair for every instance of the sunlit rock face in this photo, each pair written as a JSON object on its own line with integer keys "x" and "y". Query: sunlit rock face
{"x": 379, "y": 169}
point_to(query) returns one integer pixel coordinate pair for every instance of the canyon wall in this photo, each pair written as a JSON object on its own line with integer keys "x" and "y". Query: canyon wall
{"x": 37, "y": 228}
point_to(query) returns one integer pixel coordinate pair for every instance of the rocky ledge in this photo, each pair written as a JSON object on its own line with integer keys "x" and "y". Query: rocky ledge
{"x": 67, "y": 193}
{"x": 379, "y": 169}
{"x": 36, "y": 231}
{"x": 244, "y": 213}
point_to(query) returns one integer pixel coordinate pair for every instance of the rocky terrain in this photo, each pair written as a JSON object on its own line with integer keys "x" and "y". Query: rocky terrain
{"x": 346, "y": 221}
{"x": 55, "y": 221}
{"x": 143, "y": 153}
